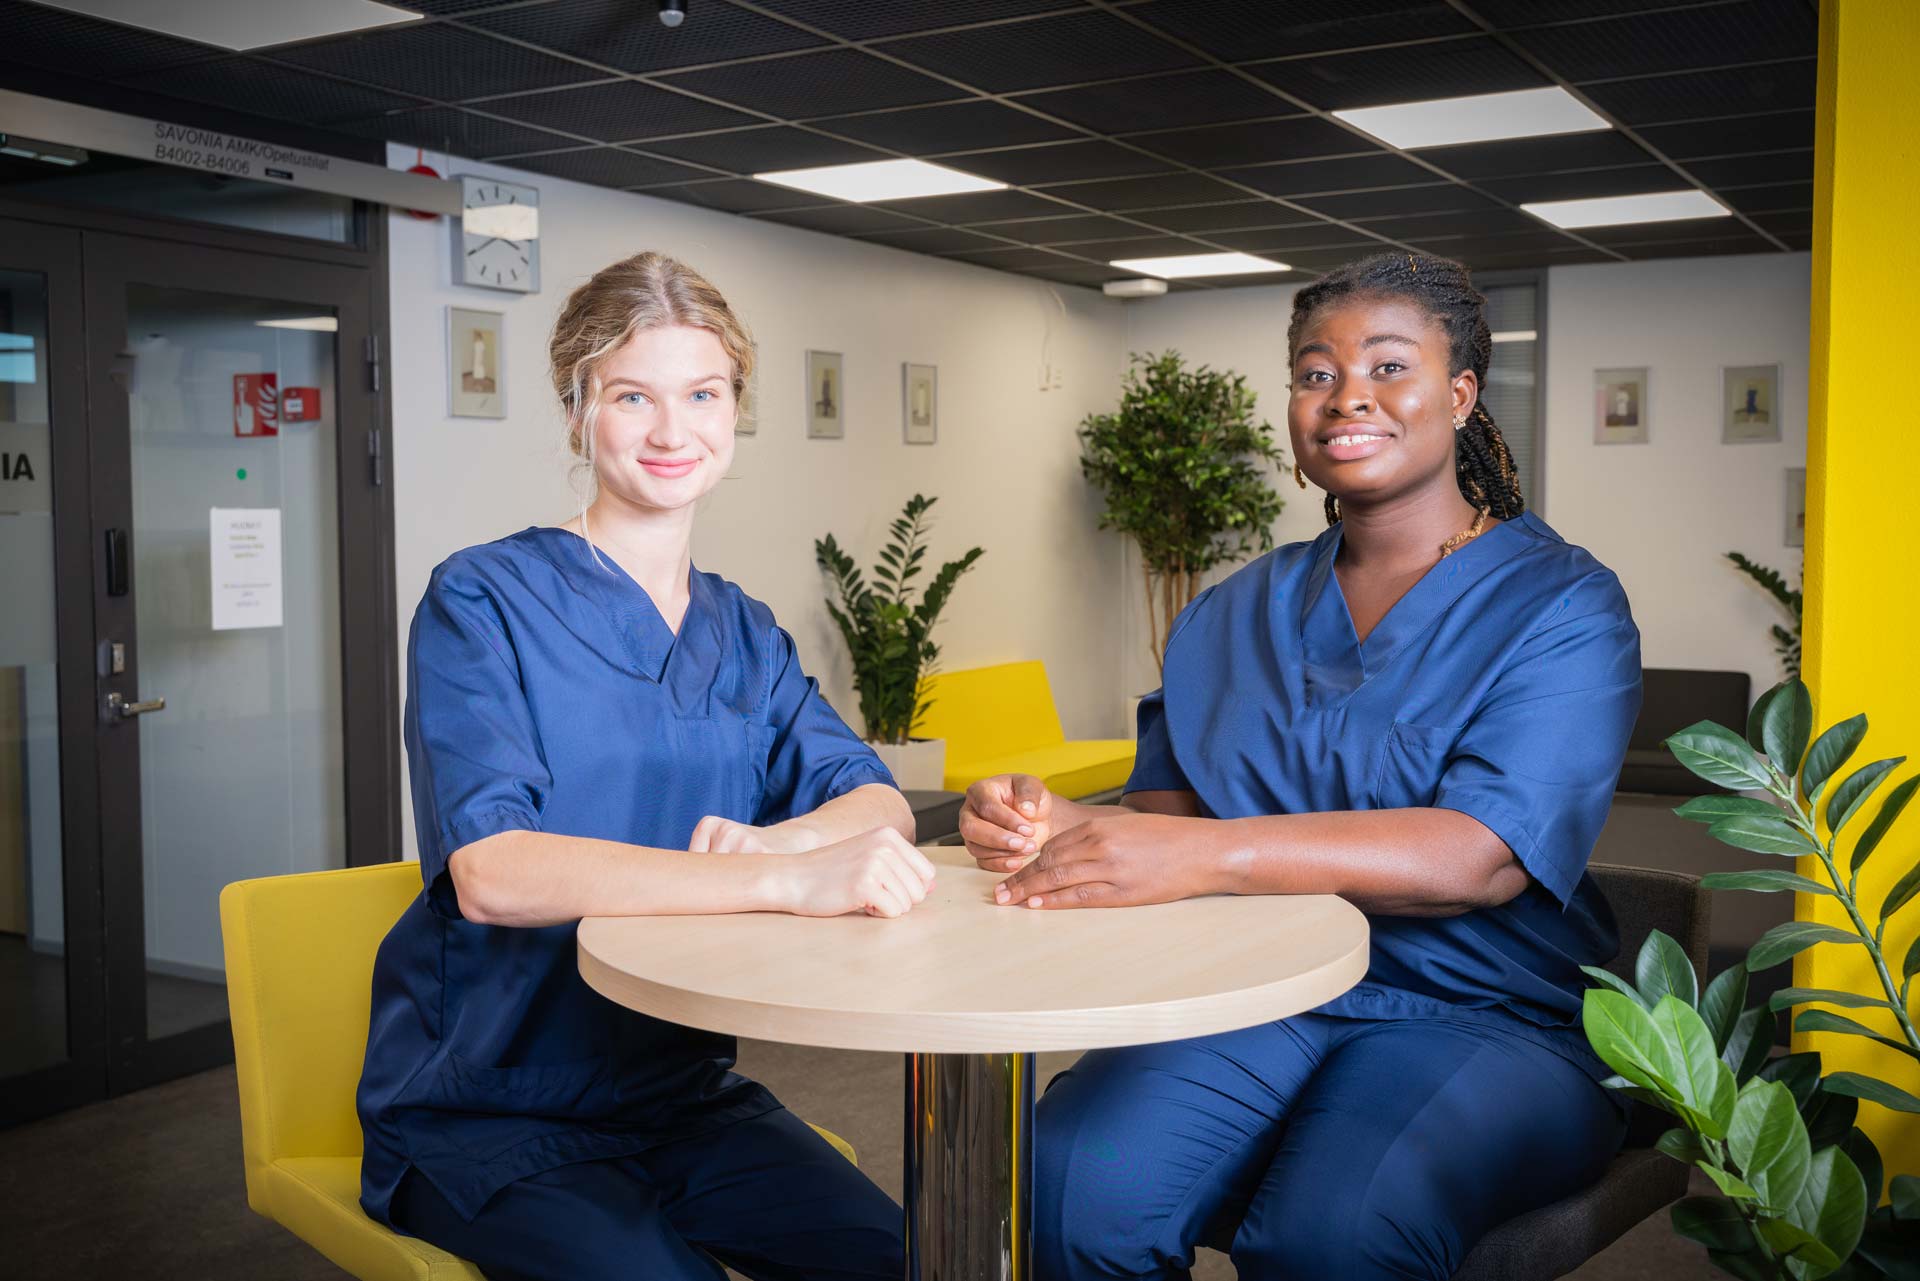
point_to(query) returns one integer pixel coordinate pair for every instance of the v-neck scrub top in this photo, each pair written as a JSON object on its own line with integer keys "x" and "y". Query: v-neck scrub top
{"x": 1503, "y": 685}
{"x": 546, "y": 694}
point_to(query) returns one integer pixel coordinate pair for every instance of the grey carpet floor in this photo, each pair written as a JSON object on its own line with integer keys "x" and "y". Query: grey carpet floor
{"x": 150, "y": 1185}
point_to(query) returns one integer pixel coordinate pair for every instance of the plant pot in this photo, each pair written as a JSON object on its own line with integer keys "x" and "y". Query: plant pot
{"x": 917, "y": 765}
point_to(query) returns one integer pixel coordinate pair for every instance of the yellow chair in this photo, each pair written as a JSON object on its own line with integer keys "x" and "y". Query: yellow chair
{"x": 299, "y": 972}
{"x": 1001, "y": 720}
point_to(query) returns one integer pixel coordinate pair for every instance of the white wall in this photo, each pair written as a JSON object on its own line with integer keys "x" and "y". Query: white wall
{"x": 1659, "y": 514}
{"x": 1006, "y": 469}
{"x": 1662, "y": 514}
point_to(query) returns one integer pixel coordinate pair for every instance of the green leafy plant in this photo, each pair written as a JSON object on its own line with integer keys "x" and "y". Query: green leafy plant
{"x": 1785, "y": 643}
{"x": 1800, "y": 1182}
{"x": 1181, "y": 465}
{"x": 888, "y": 633}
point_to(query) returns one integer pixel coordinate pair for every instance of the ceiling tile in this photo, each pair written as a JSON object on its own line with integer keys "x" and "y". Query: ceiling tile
{"x": 830, "y": 83}
{"x": 1779, "y": 86}
{"x": 1150, "y": 193}
{"x": 739, "y": 195}
{"x": 1731, "y": 244}
{"x": 1639, "y": 233}
{"x": 461, "y": 132}
{"x": 750, "y": 151}
{"x": 1137, "y": 247}
{"x": 1059, "y": 231}
{"x": 932, "y": 240}
{"x": 1030, "y": 55}
{"x": 958, "y": 126}
{"x": 1467, "y": 248}
{"x": 1331, "y": 258}
{"x": 1476, "y": 160}
{"x": 1161, "y": 102}
{"x": 1209, "y": 218}
{"x": 843, "y": 220}
{"x": 1520, "y": 13}
{"x": 1482, "y": 222}
{"x": 1408, "y": 73}
{"x": 1238, "y": 30}
{"x": 39, "y": 36}
{"x": 607, "y": 167}
{"x": 616, "y": 111}
{"x": 627, "y": 35}
{"x": 1091, "y": 275}
{"x": 865, "y": 20}
{"x": 1737, "y": 135}
{"x": 1797, "y": 222}
{"x": 437, "y": 61}
{"x": 1282, "y": 240}
{"x": 259, "y": 88}
{"x": 1768, "y": 199}
{"x": 1261, "y": 142}
{"x": 978, "y": 206}
{"x": 1682, "y": 39}
{"x": 1012, "y": 259}
{"x": 1062, "y": 162}
{"x": 1753, "y": 171}
{"x": 1345, "y": 173}
{"x": 1632, "y": 180}
{"x": 1443, "y": 197}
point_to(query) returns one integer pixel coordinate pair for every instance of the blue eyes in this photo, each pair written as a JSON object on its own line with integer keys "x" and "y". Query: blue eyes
{"x": 701, "y": 397}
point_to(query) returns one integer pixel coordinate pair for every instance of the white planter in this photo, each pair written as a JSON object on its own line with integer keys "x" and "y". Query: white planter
{"x": 918, "y": 765}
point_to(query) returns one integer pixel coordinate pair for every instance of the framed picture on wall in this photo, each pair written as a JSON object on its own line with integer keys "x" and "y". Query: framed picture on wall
{"x": 826, "y": 396}
{"x": 1620, "y": 406}
{"x": 476, "y": 382}
{"x": 1796, "y": 507}
{"x": 920, "y": 404}
{"x": 1749, "y": 404}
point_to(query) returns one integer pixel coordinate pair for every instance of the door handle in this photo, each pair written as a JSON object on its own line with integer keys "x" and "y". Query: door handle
{"x": 121, "y": 709}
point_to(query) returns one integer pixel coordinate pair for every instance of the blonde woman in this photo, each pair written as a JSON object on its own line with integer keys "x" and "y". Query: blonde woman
{"x": 596, "y": 728}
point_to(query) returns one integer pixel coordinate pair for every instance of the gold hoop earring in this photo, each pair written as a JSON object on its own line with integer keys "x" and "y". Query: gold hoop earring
{"x": 1298, "y": 478}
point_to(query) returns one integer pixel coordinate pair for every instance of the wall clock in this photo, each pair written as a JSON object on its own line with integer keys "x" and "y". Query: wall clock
{"x": 497, "y": 242}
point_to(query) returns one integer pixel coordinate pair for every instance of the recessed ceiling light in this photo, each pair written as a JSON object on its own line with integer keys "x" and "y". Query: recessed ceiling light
{"x": 1442, "y": 122}
{"x": 1608, "y": 211}
{"x": 317, "y": 324}
{"x": 880, "y": 180}
{"x": 1516, "y": 335}
{"x": 243, "y": 24}
{"x": 1199, "y": 265}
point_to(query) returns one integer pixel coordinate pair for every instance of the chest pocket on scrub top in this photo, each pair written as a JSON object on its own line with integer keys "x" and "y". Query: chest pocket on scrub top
{"x": 727, "y": 755}
{"x": 1412, "y": 760}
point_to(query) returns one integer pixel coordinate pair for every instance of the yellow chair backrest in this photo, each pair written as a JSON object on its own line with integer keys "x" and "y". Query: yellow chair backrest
{"x": 299, "y": 976}
{"x": 991, "y": 711}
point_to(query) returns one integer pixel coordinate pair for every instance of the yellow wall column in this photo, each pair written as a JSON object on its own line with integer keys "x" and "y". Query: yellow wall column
{"x": 1863, "y": 485}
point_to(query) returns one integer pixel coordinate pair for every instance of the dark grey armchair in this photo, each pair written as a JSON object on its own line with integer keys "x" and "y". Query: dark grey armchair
{"x": 1553, "y": 1241}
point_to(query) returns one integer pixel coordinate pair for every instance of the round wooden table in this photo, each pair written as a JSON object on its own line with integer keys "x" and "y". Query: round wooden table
{"x": 969, "y": 990}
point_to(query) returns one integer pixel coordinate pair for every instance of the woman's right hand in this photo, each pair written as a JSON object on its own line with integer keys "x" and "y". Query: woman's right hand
{"x": 878, "y": 872}
{"x": 1006, "y": 819}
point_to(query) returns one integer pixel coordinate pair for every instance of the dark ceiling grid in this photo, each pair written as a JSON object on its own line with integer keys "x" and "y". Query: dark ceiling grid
{"x": 1741, "y": 128}
{"x": 1625, "y": 130}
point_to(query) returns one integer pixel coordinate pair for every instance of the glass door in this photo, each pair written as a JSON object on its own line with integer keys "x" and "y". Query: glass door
{"x": 52, "y": 987}
{"x": 235, "y": 499}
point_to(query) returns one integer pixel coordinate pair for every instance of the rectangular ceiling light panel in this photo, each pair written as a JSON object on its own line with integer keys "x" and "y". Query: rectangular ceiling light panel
{"x": 881, "y": 180}
{"x": 1486, "y": 117}
{"x": 243, "y": 24}
{"x": 1612, "y": 211}
{"x": 1199, "y": 265}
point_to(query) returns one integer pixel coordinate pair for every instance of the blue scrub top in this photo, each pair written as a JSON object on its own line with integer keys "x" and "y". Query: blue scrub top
{"x": 546, "y": 694}
{"x": 1503, "y": 685}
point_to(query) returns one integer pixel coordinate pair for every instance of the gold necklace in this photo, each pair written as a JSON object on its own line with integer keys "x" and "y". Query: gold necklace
{"x": 1466, "y": 535}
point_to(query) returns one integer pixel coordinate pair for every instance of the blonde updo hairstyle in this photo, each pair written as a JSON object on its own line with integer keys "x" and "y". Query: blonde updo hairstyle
{"x": 646, "y": 291}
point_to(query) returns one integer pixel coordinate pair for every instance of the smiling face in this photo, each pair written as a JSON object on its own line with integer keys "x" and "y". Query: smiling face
{"x": 1374, "y": 398}
{"x": 663, "y": 436}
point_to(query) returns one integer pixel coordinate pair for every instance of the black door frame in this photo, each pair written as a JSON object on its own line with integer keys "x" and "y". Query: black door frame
{"x": 104, "y": 251}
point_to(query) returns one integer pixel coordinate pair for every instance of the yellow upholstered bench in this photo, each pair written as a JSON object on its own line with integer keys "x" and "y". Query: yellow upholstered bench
{"x": 1001, "y": 720}
{"x": 299, "y": 972}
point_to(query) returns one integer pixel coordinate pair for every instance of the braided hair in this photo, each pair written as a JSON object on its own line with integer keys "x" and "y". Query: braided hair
{"x": 1482, "y": 463}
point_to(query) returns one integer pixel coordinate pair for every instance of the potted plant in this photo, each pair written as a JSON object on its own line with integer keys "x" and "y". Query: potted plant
{"x": 1800, "y": 1184}
{"x": 890, "y": 638}
{"x": 1785, "y": 643}
{"x": 1182, "y": 464}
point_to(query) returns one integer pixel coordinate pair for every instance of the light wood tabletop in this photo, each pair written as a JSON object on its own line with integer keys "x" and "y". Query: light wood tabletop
{"x": 961, "y": 975}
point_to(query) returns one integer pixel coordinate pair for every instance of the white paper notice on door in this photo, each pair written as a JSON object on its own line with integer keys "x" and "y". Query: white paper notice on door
{"x": 246, "y": 567}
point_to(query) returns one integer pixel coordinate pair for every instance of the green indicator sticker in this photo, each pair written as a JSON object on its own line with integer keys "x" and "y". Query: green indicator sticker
{"x": 241, "y": 474}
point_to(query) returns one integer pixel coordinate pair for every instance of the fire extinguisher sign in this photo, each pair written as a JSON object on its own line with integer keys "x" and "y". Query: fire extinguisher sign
{"x": 256, "y": 405}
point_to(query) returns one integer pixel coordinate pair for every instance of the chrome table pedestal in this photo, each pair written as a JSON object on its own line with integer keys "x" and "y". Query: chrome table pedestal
{"x": 968, "y": 1173}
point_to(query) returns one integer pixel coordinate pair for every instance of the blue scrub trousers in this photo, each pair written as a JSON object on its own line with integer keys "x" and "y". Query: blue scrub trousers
{"x": 1315, "y": 1147}
{"x": 767, "y": 1197}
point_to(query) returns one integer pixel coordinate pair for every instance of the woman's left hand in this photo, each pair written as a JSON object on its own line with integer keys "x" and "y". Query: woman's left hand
{"x": 716, "y": 835}
{"x": 1115, "y": 861}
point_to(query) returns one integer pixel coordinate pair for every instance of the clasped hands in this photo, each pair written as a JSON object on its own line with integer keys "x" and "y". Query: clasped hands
{"x": 1115, "y": 858}
{"x": 878, "y": 872}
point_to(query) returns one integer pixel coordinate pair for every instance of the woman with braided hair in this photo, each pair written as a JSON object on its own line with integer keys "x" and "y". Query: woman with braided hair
{"x": 1423, "y": 710}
